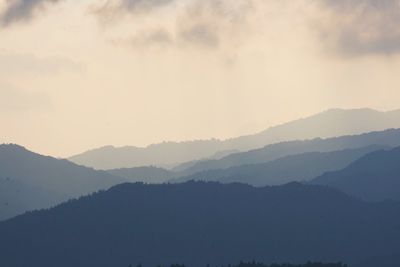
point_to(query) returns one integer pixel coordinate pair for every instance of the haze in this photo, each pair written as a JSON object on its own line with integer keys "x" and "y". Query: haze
{"x": 76, "y": 75}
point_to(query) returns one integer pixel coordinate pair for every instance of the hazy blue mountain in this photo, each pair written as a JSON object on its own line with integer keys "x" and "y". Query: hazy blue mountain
{"x": 151, "y": 175}
{"x": 17, "y": 198}
{"x": 301, "y": 167}
{"x": 31, "y": 181}
{"x": 200, "y": 223}
{"x": 331, "y": 123}
{"x": 389, "y": 138}
{"x": 161, "y": 155}
{"x": 375, "y": 176}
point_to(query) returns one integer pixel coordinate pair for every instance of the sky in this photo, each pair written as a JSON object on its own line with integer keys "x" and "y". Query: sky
{"x": 76, "y": 75}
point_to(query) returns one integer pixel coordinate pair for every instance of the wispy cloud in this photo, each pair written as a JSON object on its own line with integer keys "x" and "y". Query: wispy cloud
{"x": 152, "y": 37}
{"x": 349, "y": 28}
{"x": 361, "y": 27}
{"x": 201, "y": 23}
{"x": 200, "y": 34}
{"x": 116, "y": 7}
{"x": 22, "y": 10}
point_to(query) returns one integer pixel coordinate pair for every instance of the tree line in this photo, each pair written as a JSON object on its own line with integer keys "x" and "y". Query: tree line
{"x": 259, "y": 264}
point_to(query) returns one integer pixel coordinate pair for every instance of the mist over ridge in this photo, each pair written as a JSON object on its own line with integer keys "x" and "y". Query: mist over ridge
{"x": 199, "y": 133}
{"x": 330, "y": 123}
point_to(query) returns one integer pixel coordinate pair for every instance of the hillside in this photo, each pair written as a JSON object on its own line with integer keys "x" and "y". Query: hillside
{"x": 389, "y": 138}
{"x": 301, "y": 167}
{"x": 200, "y": 223}
{"x": 374, "y": 177}
{"x": 32, "y": 181}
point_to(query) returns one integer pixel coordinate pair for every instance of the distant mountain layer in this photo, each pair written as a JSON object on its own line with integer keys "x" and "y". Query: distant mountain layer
{"x": 17, "y": 197}
{"x": 301, "y": 167}
{"x": 31, "y": 181}
{"x": 151, "y": 175}
{"x": 375, "y": 177}
{"x": 389, "y": 138}
{"x": 331, "y": 123}
{"x": 200, "y": 223}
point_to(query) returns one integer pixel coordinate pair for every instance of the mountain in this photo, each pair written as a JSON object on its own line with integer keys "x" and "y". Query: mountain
{"x": 198, "y": 223}
{"x": 31, "y": 181}
{"x": 151, "y": 175}
{"x": 301, "y": 167}
{"x": 390, "y": 138}
{"x": 374, "y": 177}
{"x": 161, "y": 155}
{"x": 331, "y": 123}
{"x": 17, "y": 198}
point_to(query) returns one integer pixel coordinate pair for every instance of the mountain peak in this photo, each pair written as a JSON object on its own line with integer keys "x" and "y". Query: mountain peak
{"x": 14, "y": 149}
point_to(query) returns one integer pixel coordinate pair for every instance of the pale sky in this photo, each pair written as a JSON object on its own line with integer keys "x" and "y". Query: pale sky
{"x": 76, "y": 75}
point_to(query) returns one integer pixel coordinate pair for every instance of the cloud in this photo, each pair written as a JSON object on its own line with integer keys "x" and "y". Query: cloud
{"x": 200, "y": 34}
{"x": 135, "y": 5}
{"x": 211, "y": 23}
{"x": 14, "y": 99}
{"x": 22, "y": 10}
{"x": 361, "y": 27}
{"x": 150, "y": 38}
{"x": 199, "y": 23}
{"x": 190, "y": 23}
{"x": 113, "y": 10}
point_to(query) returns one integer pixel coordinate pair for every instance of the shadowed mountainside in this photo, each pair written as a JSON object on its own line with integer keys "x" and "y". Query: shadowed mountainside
{"x": 302, "y": 167}
{"x": 389, "y": 138}
{"x": 31, "y": 181}
{"x": 374, "y": 177}
{"x": 199, "y": 223}
{"x": 331, "y": 123}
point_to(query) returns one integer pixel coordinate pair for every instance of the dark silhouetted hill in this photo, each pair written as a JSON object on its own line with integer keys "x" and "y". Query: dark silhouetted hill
{"x": 374, "y": 177}
{"x": 198, "y": 223}
{"x": 301, "y": 167}
{"x": 308, "y": 264}
{"x": 384, "y": 260}
{"x": 31, "y": 181}
{"x": 331, "y": 123}
{"x": 258, "y": 264}
{"x": 389, "y": 138}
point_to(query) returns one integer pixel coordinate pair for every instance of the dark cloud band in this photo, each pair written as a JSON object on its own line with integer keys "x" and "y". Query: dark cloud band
{"x": 22, "y": 10}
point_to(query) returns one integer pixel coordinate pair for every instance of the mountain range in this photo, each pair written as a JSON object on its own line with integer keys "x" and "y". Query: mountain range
{"x": 389, "y": 138}
{"x": 331, "y": 123}
{"x": 199, "y": 223}
{"x": 300, "y": 167}
{"x": 31, "y": 181}
{"x": 324, "y": 199}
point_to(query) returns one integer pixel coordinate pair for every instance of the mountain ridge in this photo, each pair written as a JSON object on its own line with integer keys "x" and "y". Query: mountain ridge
{"x": 390, "y": 137}
{"x": 33, "y": 181}
{"x": 298, "y": 167}
{"x": 373, "y": 177}
{"x": 133, "y": 222}
{"x": 330, "y": 123}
